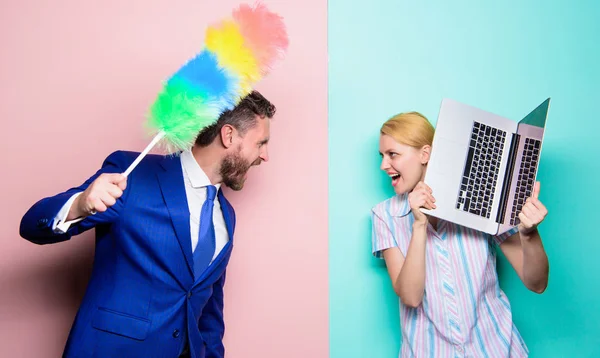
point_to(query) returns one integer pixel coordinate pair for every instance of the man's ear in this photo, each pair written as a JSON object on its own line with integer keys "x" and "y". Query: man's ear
{"x": 227, "y": 134}
{"x": 425, "y": 154}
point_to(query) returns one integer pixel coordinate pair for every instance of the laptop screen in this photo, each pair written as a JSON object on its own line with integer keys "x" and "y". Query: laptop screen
{"x": 537, "y": 117}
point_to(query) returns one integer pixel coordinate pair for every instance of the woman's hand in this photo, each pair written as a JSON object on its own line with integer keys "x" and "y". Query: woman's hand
{"x": 532, "y": 213}
{"x": 421, "y": 197}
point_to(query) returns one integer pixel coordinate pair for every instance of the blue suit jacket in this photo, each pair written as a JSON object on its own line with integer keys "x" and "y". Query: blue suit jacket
{"x": 142, "y": 299}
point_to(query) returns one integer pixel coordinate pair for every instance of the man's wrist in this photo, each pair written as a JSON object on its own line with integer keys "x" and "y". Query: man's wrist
{"x": 74, "y": 210}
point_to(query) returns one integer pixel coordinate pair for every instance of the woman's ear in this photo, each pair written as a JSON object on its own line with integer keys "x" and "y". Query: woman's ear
{"x": 425, "y": 154}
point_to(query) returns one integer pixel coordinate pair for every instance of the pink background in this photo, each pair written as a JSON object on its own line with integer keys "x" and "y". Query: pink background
{"x": 75, "y": 83}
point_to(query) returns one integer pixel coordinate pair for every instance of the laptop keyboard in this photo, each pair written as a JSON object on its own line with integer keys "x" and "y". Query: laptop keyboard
{"x": 526, "y": 177}
{"x": 481, "y": 170}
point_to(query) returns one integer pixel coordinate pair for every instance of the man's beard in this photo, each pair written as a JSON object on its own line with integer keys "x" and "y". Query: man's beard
{"x": 233, "y": 170}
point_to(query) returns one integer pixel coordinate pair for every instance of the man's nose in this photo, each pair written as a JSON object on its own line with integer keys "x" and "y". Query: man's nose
{"x": 264, "y": 155}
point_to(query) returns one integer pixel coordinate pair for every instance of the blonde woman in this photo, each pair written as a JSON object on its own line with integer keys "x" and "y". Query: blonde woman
{"x": 444, "y": 274}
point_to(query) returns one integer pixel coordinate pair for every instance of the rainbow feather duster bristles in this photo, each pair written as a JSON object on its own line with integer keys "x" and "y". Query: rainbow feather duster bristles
{"x": 238, "y": 52}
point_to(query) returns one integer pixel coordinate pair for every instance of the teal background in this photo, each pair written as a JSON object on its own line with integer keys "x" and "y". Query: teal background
{"x": 505, "y": 57}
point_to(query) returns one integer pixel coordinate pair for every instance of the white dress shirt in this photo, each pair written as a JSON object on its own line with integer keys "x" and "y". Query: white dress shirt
{"x": 196, "y": 182}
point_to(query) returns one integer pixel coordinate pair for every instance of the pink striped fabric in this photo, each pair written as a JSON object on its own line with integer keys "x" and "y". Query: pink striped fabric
{"x": 464, "y": 312}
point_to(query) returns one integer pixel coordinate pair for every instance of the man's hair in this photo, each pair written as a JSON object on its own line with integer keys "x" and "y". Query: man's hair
{"x": 242, "y": 117}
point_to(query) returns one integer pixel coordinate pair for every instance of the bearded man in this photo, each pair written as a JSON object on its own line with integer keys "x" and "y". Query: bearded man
{"x": 164, "y": 236}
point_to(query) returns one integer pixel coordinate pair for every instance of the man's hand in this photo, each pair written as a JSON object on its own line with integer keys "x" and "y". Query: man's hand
{"x": 99, "y": 196}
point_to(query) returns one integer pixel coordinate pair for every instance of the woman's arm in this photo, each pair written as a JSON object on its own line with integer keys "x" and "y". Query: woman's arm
{"x": 408, "y": 274}
{"x": 524, "y": 250}
{"x": 527, "y": 256}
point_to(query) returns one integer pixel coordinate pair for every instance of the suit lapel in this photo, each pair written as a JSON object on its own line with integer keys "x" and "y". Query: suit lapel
{"x": 173, "y": 190}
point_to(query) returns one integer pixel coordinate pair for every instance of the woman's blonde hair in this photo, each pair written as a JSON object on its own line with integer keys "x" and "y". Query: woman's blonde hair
{"x": 409, "y": 128}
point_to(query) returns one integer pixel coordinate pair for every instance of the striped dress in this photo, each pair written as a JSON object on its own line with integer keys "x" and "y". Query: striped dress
{"x": 464, "y": 312}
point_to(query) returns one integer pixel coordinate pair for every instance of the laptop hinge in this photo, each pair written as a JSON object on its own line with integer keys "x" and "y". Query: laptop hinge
{"x": 510, "y": 166}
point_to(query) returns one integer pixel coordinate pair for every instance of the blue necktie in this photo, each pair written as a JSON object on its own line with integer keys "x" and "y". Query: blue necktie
{"x": 206, "y": 234}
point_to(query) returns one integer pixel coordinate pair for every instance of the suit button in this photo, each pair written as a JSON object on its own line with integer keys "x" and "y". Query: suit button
{"x": 176, "y": 333}
{"x": 42, "y": 222}
{"x": 189, "y": 295}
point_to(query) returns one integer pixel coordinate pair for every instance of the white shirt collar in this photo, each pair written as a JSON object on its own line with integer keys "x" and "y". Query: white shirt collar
{"x": 196, "y": 175}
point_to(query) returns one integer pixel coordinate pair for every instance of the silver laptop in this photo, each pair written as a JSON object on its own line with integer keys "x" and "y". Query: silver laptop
{"x": 483, "y": 166}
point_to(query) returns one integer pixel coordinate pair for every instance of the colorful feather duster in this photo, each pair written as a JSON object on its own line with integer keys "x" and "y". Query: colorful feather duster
{"x": 238, "y": 52}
